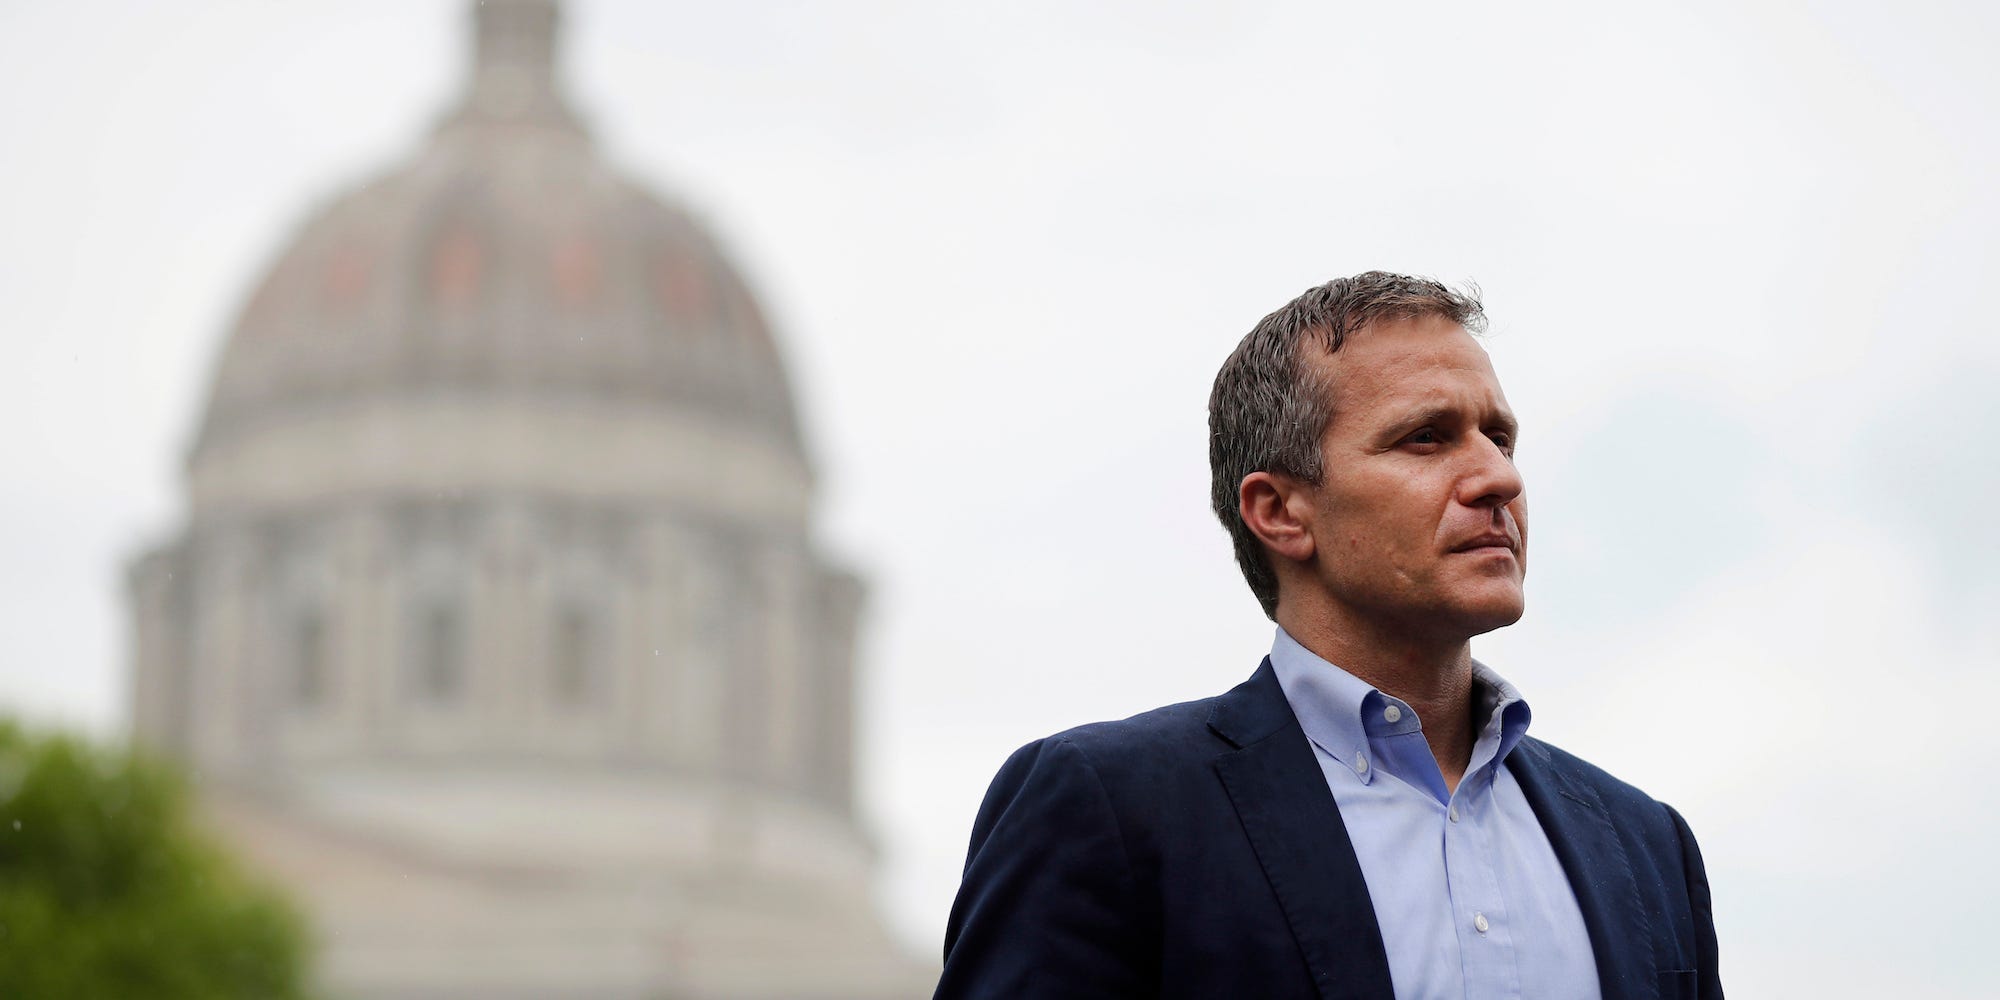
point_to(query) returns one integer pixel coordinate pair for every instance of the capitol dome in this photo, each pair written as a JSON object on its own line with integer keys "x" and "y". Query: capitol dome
{"x": 506, "y": 262}
{"x": 506, "y": 257}
{"x": 497, "y": 630}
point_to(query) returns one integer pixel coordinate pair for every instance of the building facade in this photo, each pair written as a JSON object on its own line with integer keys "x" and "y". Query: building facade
{"x": 496, "y": 630}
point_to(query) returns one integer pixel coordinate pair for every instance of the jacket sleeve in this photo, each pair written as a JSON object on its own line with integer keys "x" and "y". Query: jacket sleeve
{"x": 1704, "y": 918}
{"x": 1048, "y": 904}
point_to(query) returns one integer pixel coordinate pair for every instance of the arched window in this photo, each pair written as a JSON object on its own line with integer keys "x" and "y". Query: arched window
{"x": 440, "y": 653}
{"x": 309, "y": 659}
{"x": 572, "y": 658}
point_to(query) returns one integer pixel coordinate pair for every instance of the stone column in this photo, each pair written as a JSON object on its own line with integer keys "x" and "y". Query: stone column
{"x": 157, "y": 586}
{"x": 838, "y": 613}
{"x": 747, "y": 672}
{"x": 387, "y": 649}
{"x": 220, "y": 650}
{"x": 626, "y": 662}
{"x": 703, "y": 717}
{"x": 486, "y": 569}
{"x": 661, "y": 629}
{"x": 259, "y": 703}
{"x": 359, "y": 652}
{"x": 511, "y": 551}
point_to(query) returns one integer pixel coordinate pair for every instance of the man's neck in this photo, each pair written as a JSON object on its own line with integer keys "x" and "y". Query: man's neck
{"x": 1433, "y": 676}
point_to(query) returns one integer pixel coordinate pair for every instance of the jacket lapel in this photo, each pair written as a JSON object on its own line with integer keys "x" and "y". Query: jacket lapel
{"x": 1295, "y": 829}
{"x": 1580, "y": 830}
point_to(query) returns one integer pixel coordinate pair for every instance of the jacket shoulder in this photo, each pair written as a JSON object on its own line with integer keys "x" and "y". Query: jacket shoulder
{"x": 1622, "y": 798}
{"x": 1173, "y": 731}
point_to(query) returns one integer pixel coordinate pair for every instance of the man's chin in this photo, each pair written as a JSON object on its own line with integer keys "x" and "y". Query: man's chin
{"x": 1493, "y": 622}
{"x": 1485, "y": 616}
{"x": 1457, "y": 622}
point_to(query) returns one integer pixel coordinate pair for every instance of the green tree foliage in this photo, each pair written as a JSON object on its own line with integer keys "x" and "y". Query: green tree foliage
{"x": 109, "y": 892}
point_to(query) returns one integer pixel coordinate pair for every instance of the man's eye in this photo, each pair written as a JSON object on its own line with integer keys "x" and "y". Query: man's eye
{"x": 1425, "y": 436}
{"x": 1505, "y": 441}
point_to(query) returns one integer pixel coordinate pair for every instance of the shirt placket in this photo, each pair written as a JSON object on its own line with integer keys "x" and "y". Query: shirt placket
{"x": 1479, "y": 911}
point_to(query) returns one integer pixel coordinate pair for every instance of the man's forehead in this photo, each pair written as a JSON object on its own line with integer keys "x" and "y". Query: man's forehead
{"x": 1411, "y": 356}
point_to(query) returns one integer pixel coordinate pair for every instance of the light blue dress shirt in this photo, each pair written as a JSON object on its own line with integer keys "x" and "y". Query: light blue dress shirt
{"x": 1470, "y": 897}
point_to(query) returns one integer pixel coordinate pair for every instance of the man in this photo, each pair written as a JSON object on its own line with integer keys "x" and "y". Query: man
{"x": 1365, "y": 816}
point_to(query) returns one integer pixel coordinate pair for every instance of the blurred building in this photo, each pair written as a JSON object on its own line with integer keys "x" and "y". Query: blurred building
{"x": 496, "y": 630}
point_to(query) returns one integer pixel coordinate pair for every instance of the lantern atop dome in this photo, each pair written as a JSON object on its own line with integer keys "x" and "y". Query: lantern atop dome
{"x": 513, "y": 79}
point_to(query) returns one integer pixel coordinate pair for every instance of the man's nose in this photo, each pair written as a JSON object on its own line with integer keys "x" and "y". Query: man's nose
{"x": 1491, "y": 480}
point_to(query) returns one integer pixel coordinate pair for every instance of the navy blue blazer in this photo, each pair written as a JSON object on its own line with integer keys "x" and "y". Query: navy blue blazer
{"x": 1195, "y": 851}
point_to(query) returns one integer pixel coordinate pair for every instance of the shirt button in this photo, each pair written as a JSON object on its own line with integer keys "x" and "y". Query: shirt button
{"x": 1479, "y": 922}
{"x": 1392, "y": 713}
{"x": 1453, "y": 814}
{"x": 1360, "y": 763}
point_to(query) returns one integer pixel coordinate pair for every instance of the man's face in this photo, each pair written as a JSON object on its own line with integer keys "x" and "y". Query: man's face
{"x": 1421, "y": 523}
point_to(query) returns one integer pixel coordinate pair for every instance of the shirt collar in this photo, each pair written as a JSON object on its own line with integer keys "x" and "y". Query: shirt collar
{"x": 1341, "y": 712}
{"x": 1500, "y": 703}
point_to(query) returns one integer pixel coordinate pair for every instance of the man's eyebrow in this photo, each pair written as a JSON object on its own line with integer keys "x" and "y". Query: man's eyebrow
{"x": 1502, "y": 420}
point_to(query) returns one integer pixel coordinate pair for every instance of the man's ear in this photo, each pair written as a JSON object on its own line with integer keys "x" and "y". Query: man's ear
{"x": 1276, "y": 508}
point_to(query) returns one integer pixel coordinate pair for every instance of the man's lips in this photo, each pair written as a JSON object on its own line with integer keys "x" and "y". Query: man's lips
{"x": 1494, "y": 540}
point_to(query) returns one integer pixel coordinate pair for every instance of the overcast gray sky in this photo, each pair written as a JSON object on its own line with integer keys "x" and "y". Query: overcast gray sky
{"x": 1738, "y": 258}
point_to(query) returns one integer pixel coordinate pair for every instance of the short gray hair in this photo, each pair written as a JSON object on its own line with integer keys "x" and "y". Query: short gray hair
{"x": 1268, "y": 410}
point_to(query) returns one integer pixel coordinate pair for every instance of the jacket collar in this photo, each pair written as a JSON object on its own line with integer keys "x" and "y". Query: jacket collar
{"x": 1295, "y": 829}
{"x": 1580, "y": 829}
{"x": 1253, "y": 710}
